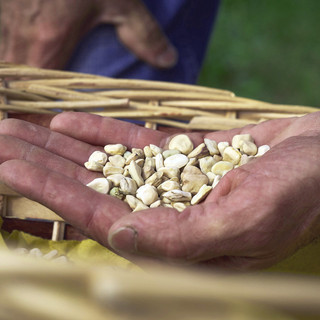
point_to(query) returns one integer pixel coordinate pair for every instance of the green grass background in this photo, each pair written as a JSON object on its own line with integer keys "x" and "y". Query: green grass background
{"x": 267, "y": 50}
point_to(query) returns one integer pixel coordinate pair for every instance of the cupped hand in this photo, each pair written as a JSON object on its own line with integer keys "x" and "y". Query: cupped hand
{"x": 44, "y": 33}
{"x": 257, "y": 215}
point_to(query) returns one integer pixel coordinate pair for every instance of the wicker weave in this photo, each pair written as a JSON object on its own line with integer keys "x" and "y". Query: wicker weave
{"x": 40, "y": 290}
{"x": 33, "y": 90}
{"x": 58, "y": 292}
{"x": 188, "y": 107}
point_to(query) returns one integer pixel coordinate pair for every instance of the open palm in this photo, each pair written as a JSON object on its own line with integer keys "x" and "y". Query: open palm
{"x": 258, "y": 214}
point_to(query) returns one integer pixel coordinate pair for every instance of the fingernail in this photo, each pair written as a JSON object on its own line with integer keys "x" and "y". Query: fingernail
{"x": 124, "y": 239}
{"x": 168, "y": 58}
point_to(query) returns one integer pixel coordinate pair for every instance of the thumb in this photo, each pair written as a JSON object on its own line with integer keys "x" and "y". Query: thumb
{"x": 138, "y": 30}
{"x": 165, "y": 234}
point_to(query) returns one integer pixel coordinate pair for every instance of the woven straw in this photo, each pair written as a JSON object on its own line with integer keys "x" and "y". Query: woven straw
{"x": 35, "y": 289}
{"x": 25, "y": 89}
{"x": 191, "y": 107}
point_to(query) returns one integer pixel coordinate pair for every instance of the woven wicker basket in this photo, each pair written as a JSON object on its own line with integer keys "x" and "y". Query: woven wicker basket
{"x": 46, "y": 291}
{"x": 36, "y": 94}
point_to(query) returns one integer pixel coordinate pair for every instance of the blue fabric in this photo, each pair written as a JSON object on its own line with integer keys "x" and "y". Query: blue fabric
{"x": 188, "y": 25}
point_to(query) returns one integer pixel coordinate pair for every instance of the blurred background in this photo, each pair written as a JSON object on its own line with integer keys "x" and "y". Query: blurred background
{"x": 267, "y": 50}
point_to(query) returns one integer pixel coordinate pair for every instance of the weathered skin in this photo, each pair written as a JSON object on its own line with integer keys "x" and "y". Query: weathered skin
{"x": 258, "y": 214}
{"x": 44, "y": 33}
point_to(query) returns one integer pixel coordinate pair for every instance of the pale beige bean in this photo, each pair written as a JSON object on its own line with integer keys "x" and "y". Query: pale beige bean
{"x": 147, "y": 194}
{"x": 164, "y": 200}
{"x": 94, "y": 166}
{"x": 176, "y": 161}
{"x": 245, "y": 159}
{"x": 249, "y": 148}
{"x": 216, "y": 180}
{"x": 117, "y": 160}
{"x": 114, "y": 149}
{"x": 155, "y": 149}
{"x": 147, "y": 152}
{"x": 110, "y": 169}
{"x": 126, "y": 172}
{"x": 98, "y": 157}
{"x": 262, "y": 150}
{"x": 148, "y": 168}
{"x": 238, "y": 140}
{"x": 101, "y": 185}
{"x": 155, "y": 180}
{"x": 128, "y": 186}
{"x": 168, "y": 153}
{"x": 150, "y": 161}
{"x": 180, "y": 206}
{"x": 222, "y": 167}
{"x": 147, "y": 172}
{"x": 155, "y": 204}
{"x": 206, "y": 164}
{"x": 211, "y": 146}
{"x": 177, "y": 195}
{"x": 176, "y": 179}
{"x": 127, "y": 154}
{"x": 201, "y": 195}
{"x": 182, "y": 143}
{"x": 135, "y": 154}
{"x": 140, "y": 206}
{"x": 168, "y": 185}
{"x": 192, "y": 179}
{"x": 115, "y": 179}
{"x": 159, "y": 161}
{"x": 211, "y": 176}
{"x": 170, "y": 172}
{"x": 199, "y": 152}
{"x": 135, "y": 203}
{"x": 232, "y": 155}
{"x": 221, "y": 146}
{"x": 140, "y": 162}
{"x": 135, "y": 173}
{"x": 192, "y": 162}
{"x": 139, "y": 152}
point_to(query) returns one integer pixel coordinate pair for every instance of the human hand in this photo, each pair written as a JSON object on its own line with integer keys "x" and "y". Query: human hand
{"x": 257, "y": 215}
{"x": 44, "y": 33}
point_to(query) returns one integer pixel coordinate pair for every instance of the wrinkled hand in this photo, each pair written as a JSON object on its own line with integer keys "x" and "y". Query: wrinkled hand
{"x": 257, "y": 215}
{"x": 44, "y": 33}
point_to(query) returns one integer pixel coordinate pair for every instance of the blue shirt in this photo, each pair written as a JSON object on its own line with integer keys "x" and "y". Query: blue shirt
{"x": 188, "y": 25}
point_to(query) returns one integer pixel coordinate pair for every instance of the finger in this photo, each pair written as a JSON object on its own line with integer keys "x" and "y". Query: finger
{"x": 86, "y": 209}
{"x": 57, "y": 143}
{"x": 268, "y": 132}
{"x": 98, "y": 130}
{"x": 14, "y": 148}
{"x": 139, "y": 32}
{"x": 39, "y": 119}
